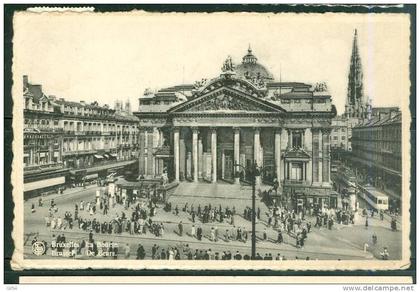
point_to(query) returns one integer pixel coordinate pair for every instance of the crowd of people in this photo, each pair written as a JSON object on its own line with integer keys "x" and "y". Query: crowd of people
{"x": 138, "y": 217}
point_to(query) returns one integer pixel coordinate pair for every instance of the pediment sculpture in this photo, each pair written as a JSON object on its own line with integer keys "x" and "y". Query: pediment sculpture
{"x": 225, "y": 103}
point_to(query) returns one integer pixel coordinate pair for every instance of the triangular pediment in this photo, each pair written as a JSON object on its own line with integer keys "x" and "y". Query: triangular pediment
{"x": 226, "y": 100}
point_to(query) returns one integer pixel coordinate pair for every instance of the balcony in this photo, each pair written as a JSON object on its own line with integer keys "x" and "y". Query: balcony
{"x": 43, "y": 129}
{"x": 78, "y": 152}
{"x": 43, "y": 167}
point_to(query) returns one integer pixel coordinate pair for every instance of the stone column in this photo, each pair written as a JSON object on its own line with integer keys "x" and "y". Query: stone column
{"x": 214, "y": 154}
{"x": 141, "y": 154}
{"x": 320, "y": 157}
{"x": 223, "y": 164}
{"x": 182, "y": 157}
{"x": 308, "y": 148}
{"x": 236, "y": 152}
{"x": 289, "y": 139}
{"x": 200, "y": 157}
{"x": 195, "y": 152}
{"x": 257, "y": 146}
{"x": 150, "y": 166}
{"x": 277, "y": 155}
{"x": 161, "y": 137}
{"x": 326, "y": 157}
{"x": 176, "y": 153}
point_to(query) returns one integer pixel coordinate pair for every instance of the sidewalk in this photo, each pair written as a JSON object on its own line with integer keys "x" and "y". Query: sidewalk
{"x": 173, "y": 239}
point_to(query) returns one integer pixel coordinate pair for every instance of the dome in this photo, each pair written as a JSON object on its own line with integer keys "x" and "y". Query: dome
{"x": 250, "y": 69}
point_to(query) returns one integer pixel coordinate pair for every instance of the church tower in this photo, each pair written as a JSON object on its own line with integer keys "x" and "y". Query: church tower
{"x": 355, "y": 104}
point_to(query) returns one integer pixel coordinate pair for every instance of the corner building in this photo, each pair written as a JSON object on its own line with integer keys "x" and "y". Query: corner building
{"x": 197, "y": 133}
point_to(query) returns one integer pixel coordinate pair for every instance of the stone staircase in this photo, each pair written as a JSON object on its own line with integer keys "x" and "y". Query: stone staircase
{"x": 220, "y": 193}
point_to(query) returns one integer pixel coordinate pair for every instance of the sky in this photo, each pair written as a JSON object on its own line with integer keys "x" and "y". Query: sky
{"x": 105, "y": 57}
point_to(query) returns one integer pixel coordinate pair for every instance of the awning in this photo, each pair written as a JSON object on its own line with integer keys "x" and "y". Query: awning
{"x": 98, "y": 156}
{"x": 106, "y": 155}
{"x": 43, "y": 183}
{"x": 113, "y": 154}
{"x": 91, "y": 176}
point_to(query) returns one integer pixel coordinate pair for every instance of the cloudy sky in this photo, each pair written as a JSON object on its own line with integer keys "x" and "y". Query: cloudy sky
{"x": 106, "y": 57}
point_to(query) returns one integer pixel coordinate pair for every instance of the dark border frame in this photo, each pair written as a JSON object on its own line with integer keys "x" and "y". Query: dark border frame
{"x": 12, "y": 277}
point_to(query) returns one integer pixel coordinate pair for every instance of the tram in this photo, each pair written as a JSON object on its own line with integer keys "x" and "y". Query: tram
{"x": 376, "y": 199}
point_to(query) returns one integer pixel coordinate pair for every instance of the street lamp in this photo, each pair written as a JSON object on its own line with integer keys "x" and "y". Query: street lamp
{"x": 255, "y": 171}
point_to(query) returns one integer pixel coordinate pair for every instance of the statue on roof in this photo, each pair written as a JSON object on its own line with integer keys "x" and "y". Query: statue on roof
{"x": 228, "y": 65}
{"x": 200, "y": 83}
{"x": 321, "y": 87}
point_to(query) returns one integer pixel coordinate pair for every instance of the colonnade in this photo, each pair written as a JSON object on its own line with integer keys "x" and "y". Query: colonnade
{"x": 213, "y": 149}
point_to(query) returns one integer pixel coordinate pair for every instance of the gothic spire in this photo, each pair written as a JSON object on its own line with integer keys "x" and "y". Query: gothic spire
{"x": 355, "y": 104}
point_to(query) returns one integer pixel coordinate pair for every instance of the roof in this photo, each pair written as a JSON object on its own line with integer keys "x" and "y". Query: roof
{"x": 156, "y": 108}
{"x": 287, "y": 84}
{"x": 126, "y": 117}
{"x": 178, "y": 87}
{"x": 377, "y": 121}
{"x": 293, "y": 94}
{"x": 80, "y": 105}
{"x": 249, "y": 70}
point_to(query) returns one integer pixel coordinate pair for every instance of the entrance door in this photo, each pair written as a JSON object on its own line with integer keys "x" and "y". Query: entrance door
{"x": 229, "y": 165}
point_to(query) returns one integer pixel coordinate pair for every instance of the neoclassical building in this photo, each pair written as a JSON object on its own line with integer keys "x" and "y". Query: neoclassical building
{"x": 198, "y": 133}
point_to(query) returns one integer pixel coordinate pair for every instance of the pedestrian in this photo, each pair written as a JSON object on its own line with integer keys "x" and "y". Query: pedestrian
{"x": 193, "y": 230}
{"x": 33, "y": 208}
{"x": 374, "y": 239}
{"x": 366, "y": 223}
{"x": 385, "y": 254}
{"x": 265, "y": 236}
{"x": 180, "y": 228}
{"x": 127, "y": 251}
{"x": 365, "y": 247}
{"x": 140, "y": 252}
{"x": 279, "y": 237}
{"x": 154, "y": 250}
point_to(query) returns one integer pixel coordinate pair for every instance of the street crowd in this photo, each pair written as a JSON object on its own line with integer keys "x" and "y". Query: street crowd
{"x": 138, "y": 218}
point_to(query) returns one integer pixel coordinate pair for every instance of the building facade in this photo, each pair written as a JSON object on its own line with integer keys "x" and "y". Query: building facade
{"x": 377, "y": 153}
{"x": 215, "y": 129}
{"x": 72, "y": 141}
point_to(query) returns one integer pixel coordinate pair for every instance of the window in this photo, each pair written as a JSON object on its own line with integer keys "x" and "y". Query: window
{"x": 296, "y": 171}
{"x": 296, "y": 139}
{"x": 343, "y": 137}
{"x": 343, "y": 130}
{"x": 335, "y": 138}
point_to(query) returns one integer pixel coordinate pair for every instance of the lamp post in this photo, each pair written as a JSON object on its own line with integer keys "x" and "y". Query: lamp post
{"x": 255, "y": 171}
